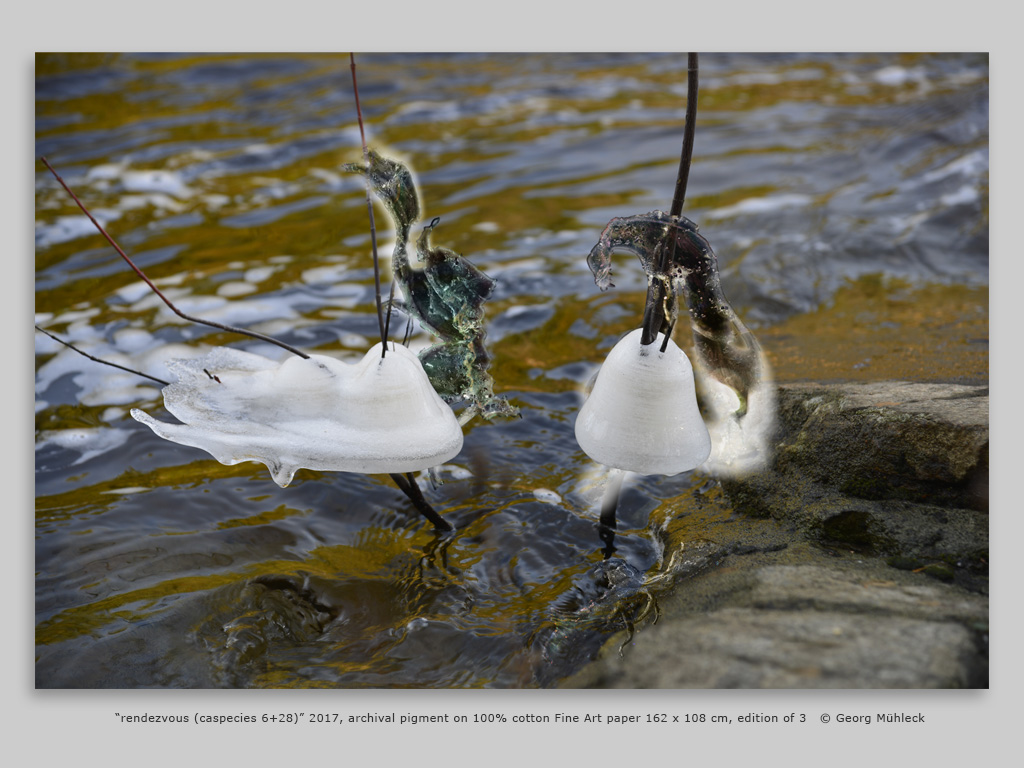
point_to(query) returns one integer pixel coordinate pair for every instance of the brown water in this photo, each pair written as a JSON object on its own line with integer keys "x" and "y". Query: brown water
{"x": 845, "y": 195}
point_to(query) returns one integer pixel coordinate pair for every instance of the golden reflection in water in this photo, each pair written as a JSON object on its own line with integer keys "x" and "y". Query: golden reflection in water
{"x": 877, "y": 329}
{"x": 873, "y": 328}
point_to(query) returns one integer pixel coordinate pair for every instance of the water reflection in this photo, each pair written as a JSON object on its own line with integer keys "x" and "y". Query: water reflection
{"x": 846, "y": 197}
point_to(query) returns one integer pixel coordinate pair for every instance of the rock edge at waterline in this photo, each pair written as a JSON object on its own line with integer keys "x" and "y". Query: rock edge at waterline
{"x": 858, "y": 559}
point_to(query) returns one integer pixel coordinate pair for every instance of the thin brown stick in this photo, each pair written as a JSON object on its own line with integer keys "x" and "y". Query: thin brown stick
{"x": 369, "y": 210}
{"x": 141, "y": 274}
{"x": 98, "y": 360}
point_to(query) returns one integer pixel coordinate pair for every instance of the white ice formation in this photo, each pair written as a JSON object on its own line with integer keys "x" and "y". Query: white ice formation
{"x": 372, "y": 416}
{"x": 642, "y": 414}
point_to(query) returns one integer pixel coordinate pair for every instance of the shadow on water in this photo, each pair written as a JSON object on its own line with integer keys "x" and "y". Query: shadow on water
{"x": 845, "y": 196}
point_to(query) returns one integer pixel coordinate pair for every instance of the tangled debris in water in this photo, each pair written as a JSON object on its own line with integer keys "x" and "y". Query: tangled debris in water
{"x": 610, "y": 597}
{"x": 446, "y": 296}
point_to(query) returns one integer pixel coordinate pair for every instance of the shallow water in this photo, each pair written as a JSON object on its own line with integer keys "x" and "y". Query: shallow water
{"x": 845, "y": 195}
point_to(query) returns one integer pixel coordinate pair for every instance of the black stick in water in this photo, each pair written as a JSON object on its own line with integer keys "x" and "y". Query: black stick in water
{"x": 683, "y": 174}
{"x": 609, "y": 504}
{"x": 140, "y": 273}
{"x": 407, "y": 484}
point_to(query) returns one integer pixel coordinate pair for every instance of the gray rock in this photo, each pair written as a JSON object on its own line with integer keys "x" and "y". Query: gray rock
{"x": 859, "y": 559}
{"x": 742, "y": 648}
{"x": 810, "y": 627}
{"x": 890, "y": 468}
{"x": 857, "y": 591}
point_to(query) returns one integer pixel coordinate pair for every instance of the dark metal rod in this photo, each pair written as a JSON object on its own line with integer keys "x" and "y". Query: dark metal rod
{"x": 654, "y": 319}
{"x": 691, "y": 120}
{"x": 407, "y": 484}
{"x": 609, "y": 505}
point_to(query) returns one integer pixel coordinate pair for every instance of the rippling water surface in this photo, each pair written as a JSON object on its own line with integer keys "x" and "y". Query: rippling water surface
{"x": 845, "y": 195}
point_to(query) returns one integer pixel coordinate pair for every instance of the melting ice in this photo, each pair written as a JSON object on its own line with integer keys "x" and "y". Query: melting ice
{"x": 375, "y": 415}
{"x": 642, "y": 414}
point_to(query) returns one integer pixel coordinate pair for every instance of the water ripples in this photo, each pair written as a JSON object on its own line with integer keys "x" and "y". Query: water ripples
{"x": 221, "y": 174}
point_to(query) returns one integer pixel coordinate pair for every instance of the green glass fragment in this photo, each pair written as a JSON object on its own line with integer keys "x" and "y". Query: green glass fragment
{"x": 445, "y": 293}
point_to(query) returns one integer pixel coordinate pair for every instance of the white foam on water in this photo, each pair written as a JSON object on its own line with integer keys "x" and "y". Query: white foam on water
{"x": 330, "y": 273}
{"x": 133, "y": 292}
{"x": 457, "y": 472}
{"x": 964, "y": 196}
{"x": 547, "y": 496}
{"x": 257, "y": 150}
{"x": 972, "y": 164}
{"x": 165, "y": 182}
{"x": 429, "y": 111}
{"x": 75, "y": 316}
{"x": 259, "y": 274}
{"x": 88, "y": 442}
{"x": 112, "y": 414}
{"x": 67, "y": 228}
{"x": 331, "y": 178}
{"x": 156, "y": 200}
{"x": 243, "y": 313}
{"x": 754, "y": 205}
{"x": 235, "y": 288}
{"x": 138, "y": 291}
{"x": 896, "y": 75}
{"x": 132, "y": 340}
{"x": 100, "y": 384}
{"x": 353, "y": 341}
{"x": 104, "y": 172}
{"x": 214, "y": 202}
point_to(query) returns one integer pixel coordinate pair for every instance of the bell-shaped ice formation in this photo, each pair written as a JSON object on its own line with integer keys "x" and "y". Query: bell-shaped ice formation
{"x": 642, "y": 413}
{"x": 376, "y": 415}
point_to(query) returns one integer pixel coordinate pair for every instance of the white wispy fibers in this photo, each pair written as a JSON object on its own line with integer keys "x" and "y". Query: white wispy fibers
{"x": 740, "y": 444}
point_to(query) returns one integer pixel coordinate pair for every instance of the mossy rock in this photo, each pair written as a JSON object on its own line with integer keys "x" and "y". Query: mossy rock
{"x": 893, "y": 469}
